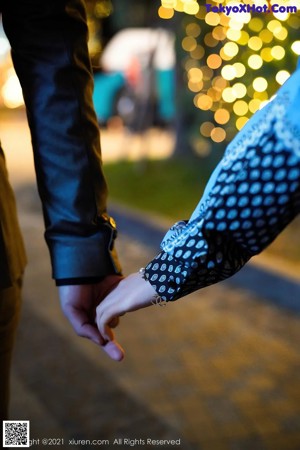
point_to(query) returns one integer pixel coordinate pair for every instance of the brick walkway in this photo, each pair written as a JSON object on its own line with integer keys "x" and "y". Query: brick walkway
{"x": 218, "y": 370}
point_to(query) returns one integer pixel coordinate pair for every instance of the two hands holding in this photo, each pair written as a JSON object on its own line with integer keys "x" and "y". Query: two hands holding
{"x": 94, "y": 309}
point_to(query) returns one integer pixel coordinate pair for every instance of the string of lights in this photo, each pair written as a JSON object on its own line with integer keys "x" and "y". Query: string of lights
{"x": 236, "y": 58}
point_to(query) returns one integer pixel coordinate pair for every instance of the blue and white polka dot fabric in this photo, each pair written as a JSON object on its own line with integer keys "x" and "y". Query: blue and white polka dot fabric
{"x": 250, "y": 198}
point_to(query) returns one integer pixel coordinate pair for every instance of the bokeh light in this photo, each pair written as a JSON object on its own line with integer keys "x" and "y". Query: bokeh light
{"x": 189, "y": 43}
{"x": 266, "y": 36}
{"x": 239, "y": 89}
{"x": 241, "y": 121}
{"x": 168, "y": 3}
{"x": 206, "y": 128}
{"x": 204, "y": 102}
{"x": 254, "y": 105}
{"x": 240, "y": 108}
{"x": 296, "y": 47}
{"x": 228, "y": 95}
{"x": 191, "y": 7}
{"x": 236, "y": 62}
{"x": 266, "y": 54}
{"x": 210, "y": 41}
{"x": 255, "y": 62}
{"x": 228, "y": 72}
{"x": 244, "y": 38}
{"x": 233, "y": 35}
{"x": 282, "y": 76}
{"x": 165, "y": 13}
{"x": 222, "y": 116}
{"x": 219, "y": 83}
{"x": 219, "y": 33}
{"x": 240, "y": 69}
{"x": 255, "y": 43}
{"x": 198, "y": 52}
{"x": 231, "y": 49}
{"x": 214, "y": 61}
{"x": 212, "y": 18}
{"x": 218, "y": 134}
{"x": 278, "y": 52}
{"x": 195, "y": 74}
{"x": 193, "y": 29}
{"x": 256, "y": 24}
{"x": 260, "y": 84}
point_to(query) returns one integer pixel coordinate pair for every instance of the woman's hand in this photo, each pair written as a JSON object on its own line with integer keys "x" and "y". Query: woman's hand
{"x": 132, "y": 293}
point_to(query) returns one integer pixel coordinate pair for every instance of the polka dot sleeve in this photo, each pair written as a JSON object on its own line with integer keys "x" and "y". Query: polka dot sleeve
{"x": 251, "y": 197}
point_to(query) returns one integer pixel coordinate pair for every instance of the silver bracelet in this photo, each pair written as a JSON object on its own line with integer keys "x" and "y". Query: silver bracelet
{"x": 156, "y": 300}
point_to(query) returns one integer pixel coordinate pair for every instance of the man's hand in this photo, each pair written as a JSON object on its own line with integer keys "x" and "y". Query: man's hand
{"x": 79, "y": 303}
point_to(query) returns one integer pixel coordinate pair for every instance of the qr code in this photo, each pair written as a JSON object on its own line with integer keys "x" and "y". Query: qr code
{"x": 16, "y": 433}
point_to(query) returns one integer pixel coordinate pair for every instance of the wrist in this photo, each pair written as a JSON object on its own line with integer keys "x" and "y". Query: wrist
{"x": 156, "y": 298}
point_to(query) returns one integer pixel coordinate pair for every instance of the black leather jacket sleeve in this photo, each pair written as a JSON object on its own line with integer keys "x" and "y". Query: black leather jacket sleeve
{"x": 50, "y": 55}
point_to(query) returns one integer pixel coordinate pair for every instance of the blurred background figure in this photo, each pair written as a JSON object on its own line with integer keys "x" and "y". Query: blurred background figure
{"x": 138, "y": 78}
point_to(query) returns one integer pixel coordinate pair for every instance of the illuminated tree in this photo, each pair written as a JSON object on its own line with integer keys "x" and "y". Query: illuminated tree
{"x": 234, "y": 63}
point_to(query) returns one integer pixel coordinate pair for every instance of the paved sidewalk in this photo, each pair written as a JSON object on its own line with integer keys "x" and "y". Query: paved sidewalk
{"x": 218, "y": 370}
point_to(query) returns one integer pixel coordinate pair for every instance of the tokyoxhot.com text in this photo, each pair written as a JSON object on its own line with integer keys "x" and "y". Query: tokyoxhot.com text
{"x": 243, "y": 8}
